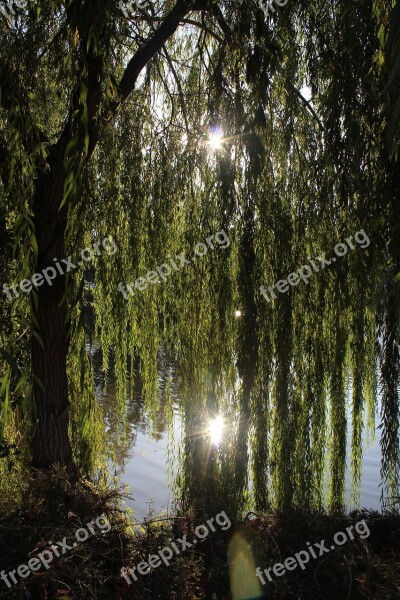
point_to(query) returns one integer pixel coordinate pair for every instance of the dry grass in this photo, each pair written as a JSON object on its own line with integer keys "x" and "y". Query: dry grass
{"x": 53, "y": 509}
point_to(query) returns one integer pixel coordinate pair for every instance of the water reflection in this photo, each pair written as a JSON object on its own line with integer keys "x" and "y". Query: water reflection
{"x": 193, "y": 446}
{"x": 216, "y": 430}
{"x": 121, "y": 437}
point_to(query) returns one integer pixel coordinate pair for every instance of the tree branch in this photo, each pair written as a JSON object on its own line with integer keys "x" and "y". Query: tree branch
{"x": 154, "y": 44}
{"x": 308, "y": 105}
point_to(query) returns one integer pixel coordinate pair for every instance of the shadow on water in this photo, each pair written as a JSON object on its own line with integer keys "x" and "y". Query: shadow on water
{"x": 198, "y": 446}
{"x": 192, "y": 446}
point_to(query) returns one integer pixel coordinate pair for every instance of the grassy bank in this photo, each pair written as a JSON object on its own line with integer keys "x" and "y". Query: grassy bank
{"x": 220, "y": 567}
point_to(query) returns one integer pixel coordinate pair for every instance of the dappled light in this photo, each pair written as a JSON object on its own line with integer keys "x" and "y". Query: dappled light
{"x": 199, "y": 299}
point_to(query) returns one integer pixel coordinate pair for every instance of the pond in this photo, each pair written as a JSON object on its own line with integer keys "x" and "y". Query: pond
{"x": 149, "y": 460}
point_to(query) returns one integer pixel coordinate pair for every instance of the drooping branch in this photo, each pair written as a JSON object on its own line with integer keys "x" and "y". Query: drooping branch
{"x": 154, "y": 44}
{"x": 308, "y": 105}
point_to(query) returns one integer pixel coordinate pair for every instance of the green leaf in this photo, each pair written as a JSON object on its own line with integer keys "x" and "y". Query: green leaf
{"x": 4, "y": 411}
{"x": 393, "y": 125}
{"x": 22, "y": 381}
{"x": 83, "y": 94}
{"x": 68, "y": 152}
{"x": 11, "y": 361}
{"x": 34, "y": 243}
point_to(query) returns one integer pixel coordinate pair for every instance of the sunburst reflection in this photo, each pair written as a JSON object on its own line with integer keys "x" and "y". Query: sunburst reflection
{"x": 215, "y": 430}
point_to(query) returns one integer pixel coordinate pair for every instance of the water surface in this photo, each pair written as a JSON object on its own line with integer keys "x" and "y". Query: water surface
{"x": 148, "y": 462}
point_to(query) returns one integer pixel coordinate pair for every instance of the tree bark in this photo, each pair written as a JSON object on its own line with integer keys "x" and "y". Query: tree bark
{"x": 51, "y": 444}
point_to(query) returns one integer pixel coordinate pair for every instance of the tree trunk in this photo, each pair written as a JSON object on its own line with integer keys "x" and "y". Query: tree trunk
{"x": 51, "y": 444}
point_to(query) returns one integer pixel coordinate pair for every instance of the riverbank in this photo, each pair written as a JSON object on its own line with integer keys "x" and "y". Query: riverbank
{"x": 56, "y": 517}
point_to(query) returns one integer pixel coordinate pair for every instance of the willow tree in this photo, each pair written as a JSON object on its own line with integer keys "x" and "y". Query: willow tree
{"x": 105, "y": 128}
{"x": 71, "y": 49}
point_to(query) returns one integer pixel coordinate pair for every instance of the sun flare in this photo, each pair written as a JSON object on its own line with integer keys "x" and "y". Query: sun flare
{"x": 215, "y": 140}
{"x": 215, "y": 430}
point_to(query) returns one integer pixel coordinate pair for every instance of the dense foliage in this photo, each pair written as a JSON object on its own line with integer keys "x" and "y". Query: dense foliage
{"x": 307, "y": 160}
